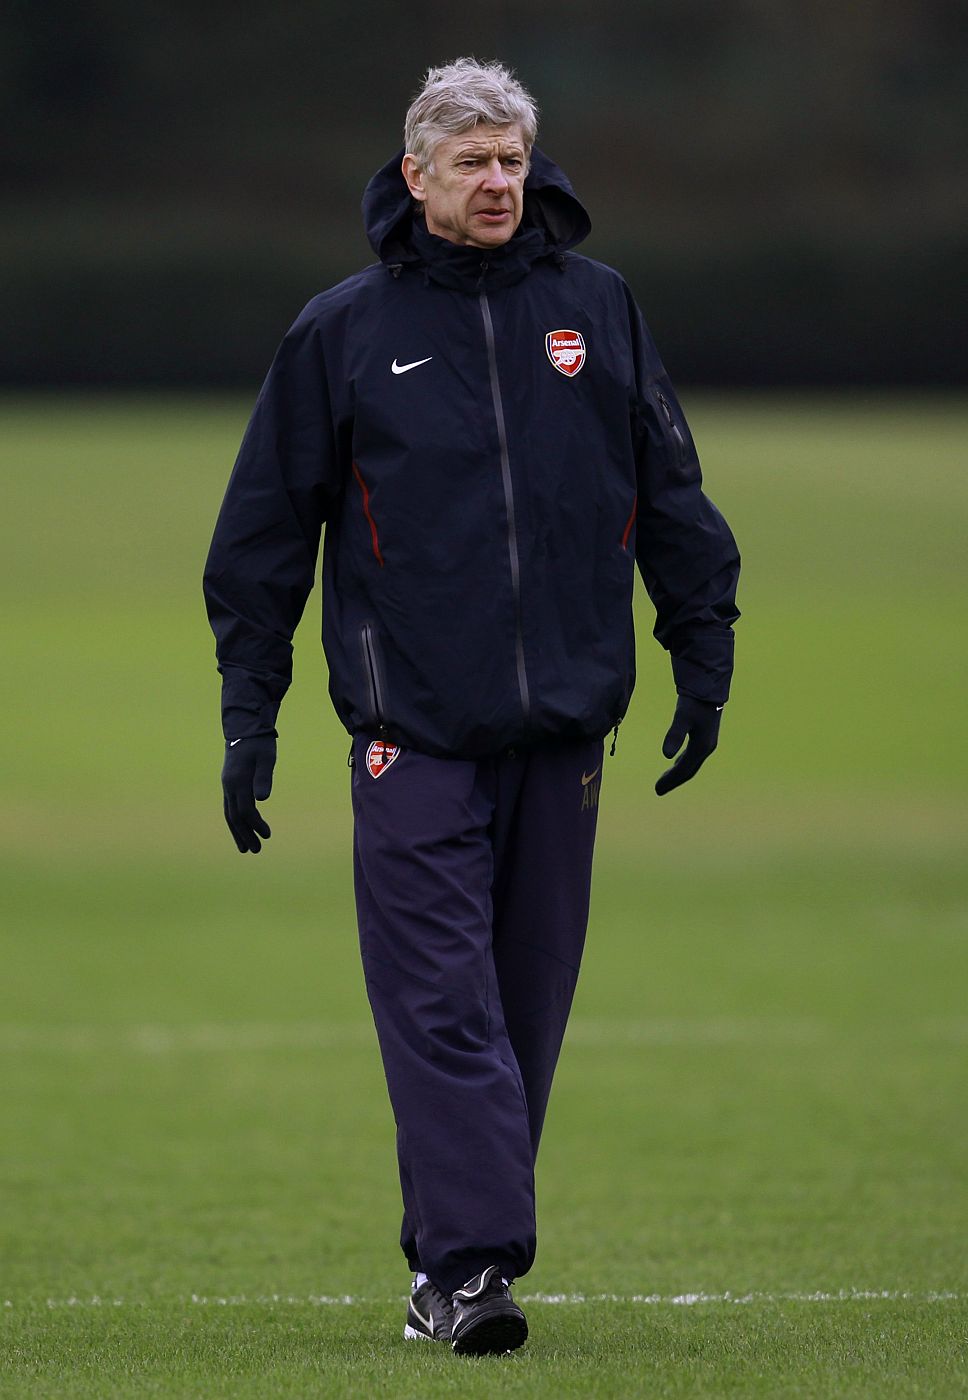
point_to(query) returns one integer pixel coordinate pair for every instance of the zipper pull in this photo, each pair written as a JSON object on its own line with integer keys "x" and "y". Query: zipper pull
{"x": 611, "y": 752}
{"x": 667, "y": 410}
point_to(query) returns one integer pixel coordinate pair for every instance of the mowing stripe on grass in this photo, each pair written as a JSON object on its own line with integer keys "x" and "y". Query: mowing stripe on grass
{"x": 680, "y": 1300}
{"x": 151, "y": 1039}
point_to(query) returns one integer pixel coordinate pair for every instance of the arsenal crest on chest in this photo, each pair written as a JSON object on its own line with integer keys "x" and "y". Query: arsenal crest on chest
{"x": 566, "y": 351}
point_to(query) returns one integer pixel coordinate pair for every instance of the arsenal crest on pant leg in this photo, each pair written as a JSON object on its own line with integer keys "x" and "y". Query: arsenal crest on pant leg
{"x": 379, "y": 756}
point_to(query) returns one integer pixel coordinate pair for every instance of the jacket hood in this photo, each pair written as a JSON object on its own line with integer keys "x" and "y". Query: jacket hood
{"x": 550, "y": 206}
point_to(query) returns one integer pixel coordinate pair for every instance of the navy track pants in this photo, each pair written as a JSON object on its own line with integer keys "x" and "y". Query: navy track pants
{"x": 472, "y": 887}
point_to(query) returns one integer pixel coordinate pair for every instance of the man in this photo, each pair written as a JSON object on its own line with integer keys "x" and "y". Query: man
{"x": 484, "y": 425}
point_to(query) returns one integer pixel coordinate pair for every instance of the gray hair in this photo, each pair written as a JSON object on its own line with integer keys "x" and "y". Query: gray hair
{"x": 457, "y": 96}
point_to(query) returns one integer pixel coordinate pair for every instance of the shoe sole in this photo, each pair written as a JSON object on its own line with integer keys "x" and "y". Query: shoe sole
{"x": 493, "y": 1336}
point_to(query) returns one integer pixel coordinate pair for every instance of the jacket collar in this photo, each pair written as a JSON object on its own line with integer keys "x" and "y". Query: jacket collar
{"x": 476, "y": 269}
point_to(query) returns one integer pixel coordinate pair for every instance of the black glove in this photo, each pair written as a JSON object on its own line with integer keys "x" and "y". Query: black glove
{"x": 699, "y": 719}
{"x": 247, "y": 779}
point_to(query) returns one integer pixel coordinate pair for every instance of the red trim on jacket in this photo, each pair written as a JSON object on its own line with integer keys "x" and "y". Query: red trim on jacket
{"x": 366, "y": 511}
{"x": 631, "y": 521}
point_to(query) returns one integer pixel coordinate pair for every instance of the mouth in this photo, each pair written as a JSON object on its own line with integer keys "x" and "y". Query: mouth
{"x": 493, "y": 216}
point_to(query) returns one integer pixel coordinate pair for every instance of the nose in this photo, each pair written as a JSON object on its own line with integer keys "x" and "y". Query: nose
{"x": 495, "y": 179}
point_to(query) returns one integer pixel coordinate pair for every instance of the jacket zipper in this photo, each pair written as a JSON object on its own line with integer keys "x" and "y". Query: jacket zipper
{"x": 373, "y": 675}
{"x": 667, "y": 410}
{"x": 502, "y": 438}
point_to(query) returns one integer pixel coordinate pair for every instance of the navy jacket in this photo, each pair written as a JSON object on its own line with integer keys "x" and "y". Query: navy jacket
{"x": 492, "y": 443}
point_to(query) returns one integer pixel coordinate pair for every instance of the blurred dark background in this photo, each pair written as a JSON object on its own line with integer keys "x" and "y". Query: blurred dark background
{"x": 783, "y": 184}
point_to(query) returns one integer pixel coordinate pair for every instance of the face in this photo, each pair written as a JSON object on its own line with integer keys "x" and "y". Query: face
{"x": 473, "y": 191}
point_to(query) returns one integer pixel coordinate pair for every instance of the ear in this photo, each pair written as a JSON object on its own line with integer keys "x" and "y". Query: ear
{"x": 414, "y": 177}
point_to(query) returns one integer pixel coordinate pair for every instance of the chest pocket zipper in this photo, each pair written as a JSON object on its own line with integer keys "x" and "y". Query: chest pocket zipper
{"x": 673, "y": 426}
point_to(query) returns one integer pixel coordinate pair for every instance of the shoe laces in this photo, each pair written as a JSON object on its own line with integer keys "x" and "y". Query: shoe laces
{"x": 439, "y": 1301}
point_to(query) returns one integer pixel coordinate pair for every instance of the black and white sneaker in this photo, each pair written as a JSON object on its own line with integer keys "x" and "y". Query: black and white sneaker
{"x": 429, "y": 1314}
{"x": 486, "y": 1321}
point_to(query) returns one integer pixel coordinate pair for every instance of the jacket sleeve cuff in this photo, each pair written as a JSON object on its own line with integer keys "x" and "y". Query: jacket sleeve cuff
{"x": 250, "y": 701}
{"x": 702, "y": 664}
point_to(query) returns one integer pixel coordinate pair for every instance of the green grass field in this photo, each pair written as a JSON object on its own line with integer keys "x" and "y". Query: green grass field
{"x": 755, "y": 1171}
